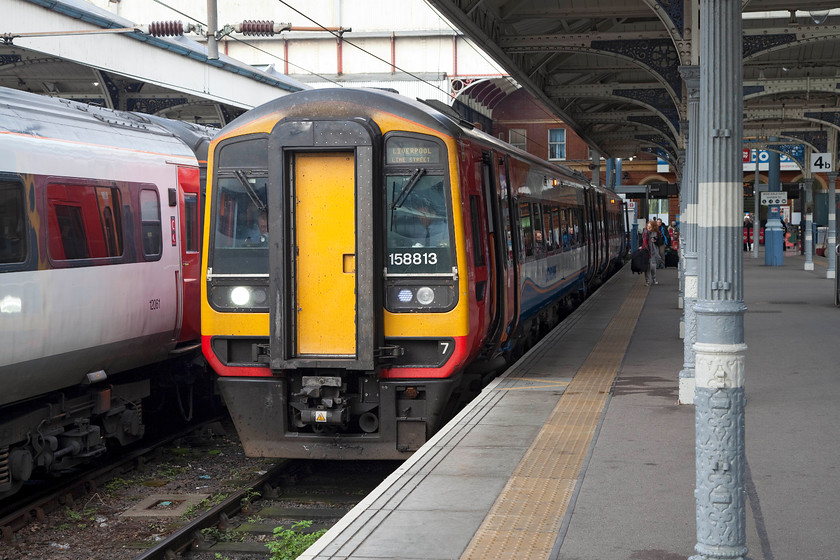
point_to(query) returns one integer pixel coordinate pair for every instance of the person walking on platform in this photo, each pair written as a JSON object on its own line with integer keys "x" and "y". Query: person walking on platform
{"x": 649, "y": 237}
{"x": 662, "y": 241}
{"x": 747, "y": 233}
{"x": 674, "y": 234}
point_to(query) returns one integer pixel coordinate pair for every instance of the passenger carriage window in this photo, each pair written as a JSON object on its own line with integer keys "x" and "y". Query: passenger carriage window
{"x": 151, "y": 224}
{"x": 527, "y": 227}
{"x": 539, "y": 235}
{"x": 12, "y": 223}
{"x": 578, "y": 233}
{"x": 565, "y": 237}
{"x": 84, "y": 221}
{"x": 555, "y": 228}
{"x": 71, "y": 233}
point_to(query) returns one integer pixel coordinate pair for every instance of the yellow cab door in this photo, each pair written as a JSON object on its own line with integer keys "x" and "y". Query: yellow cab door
{"x": 325, "y": 265}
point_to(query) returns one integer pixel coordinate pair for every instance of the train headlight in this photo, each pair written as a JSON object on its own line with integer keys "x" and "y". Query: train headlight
{"x": 425, "y": 295}
{"x": 405, "y": 295}
{"x": 425, "y": 298}
{"x": 240, "y": 296}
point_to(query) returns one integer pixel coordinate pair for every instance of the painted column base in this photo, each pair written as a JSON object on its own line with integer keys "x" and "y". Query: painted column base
{"x": 686, "y": 392}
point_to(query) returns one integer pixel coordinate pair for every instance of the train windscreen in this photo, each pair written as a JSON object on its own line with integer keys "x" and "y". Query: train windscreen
{"x": 418, "y": 225}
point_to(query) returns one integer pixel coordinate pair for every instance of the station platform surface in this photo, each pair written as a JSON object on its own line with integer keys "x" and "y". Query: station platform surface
{"x": 580, "y": 450}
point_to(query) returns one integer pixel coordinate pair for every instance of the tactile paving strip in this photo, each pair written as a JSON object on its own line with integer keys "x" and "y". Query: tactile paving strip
{"x": 526, "y": 518}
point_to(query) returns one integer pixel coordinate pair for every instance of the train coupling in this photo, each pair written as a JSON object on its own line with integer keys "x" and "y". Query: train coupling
{"x": 321, "y": 402}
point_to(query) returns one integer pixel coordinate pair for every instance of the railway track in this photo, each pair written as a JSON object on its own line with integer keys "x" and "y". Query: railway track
{"x": 132, "y": 509}
{"x": 298, "y": 496}
{"x": 17, "y": 512}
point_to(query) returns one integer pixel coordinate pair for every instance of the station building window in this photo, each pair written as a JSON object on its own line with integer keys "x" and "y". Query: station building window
{"x": 518, "y": 137}
{"x": 556, "y": 144}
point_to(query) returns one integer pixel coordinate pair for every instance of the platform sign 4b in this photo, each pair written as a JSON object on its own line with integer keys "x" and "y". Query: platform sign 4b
{"x": 821, "y": 163}
{"x": 772, "y": 198}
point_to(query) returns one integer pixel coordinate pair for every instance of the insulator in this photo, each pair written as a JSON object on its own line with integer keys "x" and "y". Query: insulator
{"x": 166, "y": 28}
{"x": 257, "y": 27}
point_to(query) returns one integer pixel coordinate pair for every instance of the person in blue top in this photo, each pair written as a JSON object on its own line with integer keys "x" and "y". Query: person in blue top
{"x": 662, "y": 240}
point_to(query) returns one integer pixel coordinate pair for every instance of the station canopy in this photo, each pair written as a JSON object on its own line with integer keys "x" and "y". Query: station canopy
{"x": 613, "y": 70}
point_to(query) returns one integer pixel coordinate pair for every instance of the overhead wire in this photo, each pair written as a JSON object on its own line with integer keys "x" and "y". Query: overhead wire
{"x": 352, "y": 44}
{"x": 481, "y": 53}
{"x": 196, "y": 20}
{"x": 448, "y": 94}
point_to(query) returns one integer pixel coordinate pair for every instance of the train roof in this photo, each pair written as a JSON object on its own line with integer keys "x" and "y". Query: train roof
{"x": 345, "y": 102}
{"x": 48, "y": 117}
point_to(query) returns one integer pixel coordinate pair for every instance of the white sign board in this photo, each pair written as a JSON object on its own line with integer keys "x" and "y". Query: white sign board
{"x": 821, "y": 163}
{"x": 773, "y": 198}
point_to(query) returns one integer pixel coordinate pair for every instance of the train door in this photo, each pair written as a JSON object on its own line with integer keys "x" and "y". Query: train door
{"x": 601, "y": 224}
{"x": 589, "y": 231}
{"x": 506, "y": 247}
{"x": 325, "y": 259}
{"x": 326, "y": 306}
{"x": 189, "y": 193}
{"x": 487, "y": 232}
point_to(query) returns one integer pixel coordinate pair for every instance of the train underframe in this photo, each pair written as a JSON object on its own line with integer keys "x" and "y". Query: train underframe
{"x": 69, "y": 428}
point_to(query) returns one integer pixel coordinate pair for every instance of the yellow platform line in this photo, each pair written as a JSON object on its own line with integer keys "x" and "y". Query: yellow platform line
{"x": 525, "y": 520}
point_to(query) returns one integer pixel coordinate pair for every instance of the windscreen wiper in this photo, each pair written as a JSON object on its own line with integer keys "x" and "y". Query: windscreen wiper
{"x": 249, "y": 190}
{"x": 409, "y": 186}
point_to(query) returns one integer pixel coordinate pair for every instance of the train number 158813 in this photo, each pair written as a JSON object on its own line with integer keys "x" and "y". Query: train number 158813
{"x": 406, "y": 259}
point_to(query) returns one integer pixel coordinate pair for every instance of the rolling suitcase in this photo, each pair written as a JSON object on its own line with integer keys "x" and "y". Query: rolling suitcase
{"x": 672, "y": 259}
{"x": 639, "y": 261}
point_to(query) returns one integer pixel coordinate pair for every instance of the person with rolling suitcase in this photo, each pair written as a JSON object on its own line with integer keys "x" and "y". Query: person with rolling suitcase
{"x": 649, "y": 237}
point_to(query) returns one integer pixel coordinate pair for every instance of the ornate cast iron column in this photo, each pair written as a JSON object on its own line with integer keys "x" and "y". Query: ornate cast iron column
{"x": 809, "y": 222}
{"x": 720, "y": 348}
{"x": 688, "y": 232}
{"x": 831, "y": 241}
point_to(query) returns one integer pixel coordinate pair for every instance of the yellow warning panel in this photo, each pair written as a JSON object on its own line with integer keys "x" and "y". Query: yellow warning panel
{"x": 320, "y": 416}
{"x": 325, "y": 231}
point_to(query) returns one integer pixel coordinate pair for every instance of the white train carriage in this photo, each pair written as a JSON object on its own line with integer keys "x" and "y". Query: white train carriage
{"x": 99, "y": 259}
